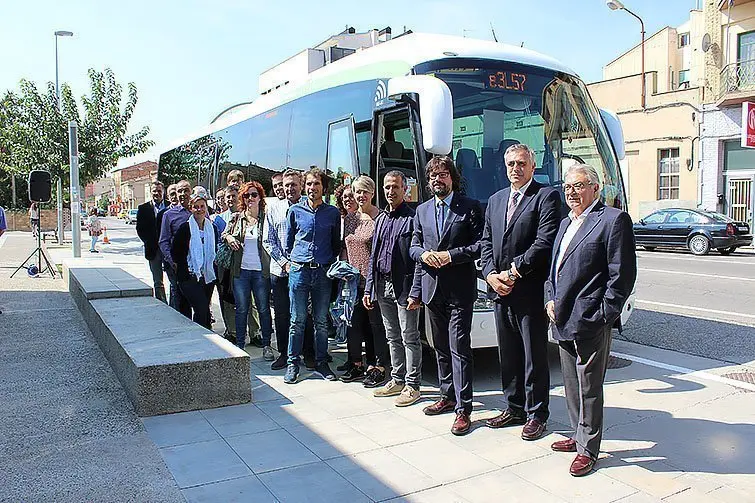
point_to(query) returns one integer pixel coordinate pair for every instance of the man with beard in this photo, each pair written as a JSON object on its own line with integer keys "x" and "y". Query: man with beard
{"x": 146, "y": 229}
{"x": 278, "y": 189}
{"x": 447, "y": 231}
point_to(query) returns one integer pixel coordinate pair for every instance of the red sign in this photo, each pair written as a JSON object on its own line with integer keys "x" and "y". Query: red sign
{"x": 748, "y": 124}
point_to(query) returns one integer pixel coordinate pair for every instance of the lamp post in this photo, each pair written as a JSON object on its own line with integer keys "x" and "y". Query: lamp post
{"x": 61, "y": 229}
{"x": 617, "y": 5}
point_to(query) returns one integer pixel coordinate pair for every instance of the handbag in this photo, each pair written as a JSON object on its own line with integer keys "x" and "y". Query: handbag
{"x": 224, "y": 255}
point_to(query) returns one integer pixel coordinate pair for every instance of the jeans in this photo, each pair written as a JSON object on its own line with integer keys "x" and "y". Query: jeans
{"x": 156, "y": 267}
{"x": 177, "y": 299}
{"x": 198, "y": 295}
{"x": 94, "y": 242}
{"x": 367, "y": 326}
{"x": 248, "y": 283}
{"x": 304, "y": 282}
{"x": 402, "y": 332}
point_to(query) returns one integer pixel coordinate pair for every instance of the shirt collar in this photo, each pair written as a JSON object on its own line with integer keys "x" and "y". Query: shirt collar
{"x": 522, "y": 189}
{"x": 398, "y": 209}
{"x": 446, "y": 199}
{"x": 583, "y": 215}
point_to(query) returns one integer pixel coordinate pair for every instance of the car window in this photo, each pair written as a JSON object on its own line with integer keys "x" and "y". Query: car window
{"x": 655, "y": 218}
{"x": 718, "y": 217}
{"x": 681, "y": 217}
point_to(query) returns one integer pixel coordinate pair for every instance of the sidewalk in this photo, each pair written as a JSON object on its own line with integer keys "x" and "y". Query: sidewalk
{"x": 674, "y": 431}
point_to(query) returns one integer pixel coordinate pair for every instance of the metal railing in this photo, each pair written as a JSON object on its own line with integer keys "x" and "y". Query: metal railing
{"x": 736, "y": 77}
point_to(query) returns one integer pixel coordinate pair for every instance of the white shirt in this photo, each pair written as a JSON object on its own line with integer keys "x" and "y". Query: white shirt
{"x": 250, "y": 260}
{"x": 574, "y": 225}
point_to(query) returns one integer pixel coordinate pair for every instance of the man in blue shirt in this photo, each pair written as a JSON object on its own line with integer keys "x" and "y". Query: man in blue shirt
{"x": 171, "y": 221}
{"x": 313, "y": 242}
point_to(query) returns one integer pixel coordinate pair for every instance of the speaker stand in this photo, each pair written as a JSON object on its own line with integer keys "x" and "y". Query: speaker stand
{"x": 40, "y": 253}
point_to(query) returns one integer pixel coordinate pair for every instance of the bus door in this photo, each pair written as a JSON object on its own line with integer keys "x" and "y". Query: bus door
{"x": 397, "y": 145}
{"x": 341, "y": 154}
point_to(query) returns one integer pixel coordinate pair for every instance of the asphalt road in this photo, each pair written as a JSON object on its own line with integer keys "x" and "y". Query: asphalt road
{"x": 697, "y": 305}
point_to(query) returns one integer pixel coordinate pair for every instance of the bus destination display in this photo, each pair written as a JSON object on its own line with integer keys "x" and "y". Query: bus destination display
{"x": 508, "y": 81}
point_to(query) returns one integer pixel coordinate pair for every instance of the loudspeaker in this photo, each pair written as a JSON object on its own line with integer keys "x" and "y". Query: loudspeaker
{"x": 40, "y": 186}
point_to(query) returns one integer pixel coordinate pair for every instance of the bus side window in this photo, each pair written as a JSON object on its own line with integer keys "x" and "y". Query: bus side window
{"x": 341, "y": 157}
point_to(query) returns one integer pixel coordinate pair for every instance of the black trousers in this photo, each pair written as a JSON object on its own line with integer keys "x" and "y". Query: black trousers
{"x": 523, "y": 353}
{"x": 198, "y": 295}
{"x": 282, "y": 308}
{"x": 367, "y": 326}
{"x": 451, "y": 326}
{"x": 177, "y": 299}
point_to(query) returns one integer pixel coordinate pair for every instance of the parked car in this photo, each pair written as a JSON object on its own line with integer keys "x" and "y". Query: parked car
{"x": 101, "y": 212}
{"x": 696, "y": 230}
{"x": 122, "y": 214}
{"x": 131, "y": 216}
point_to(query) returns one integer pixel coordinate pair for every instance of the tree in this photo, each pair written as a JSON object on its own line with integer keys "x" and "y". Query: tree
{"x": 34, "y": 133}
{"x": 104, "y": 202}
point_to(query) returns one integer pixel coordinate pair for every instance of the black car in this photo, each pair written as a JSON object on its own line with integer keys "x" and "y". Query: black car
{"x": 696, "y": 230}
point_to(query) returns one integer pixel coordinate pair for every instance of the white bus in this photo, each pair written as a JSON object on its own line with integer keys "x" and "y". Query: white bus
{"x": 394, "y": 105}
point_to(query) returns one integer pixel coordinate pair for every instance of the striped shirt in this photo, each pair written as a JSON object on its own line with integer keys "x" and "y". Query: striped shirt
{"x": 274, "y": 234}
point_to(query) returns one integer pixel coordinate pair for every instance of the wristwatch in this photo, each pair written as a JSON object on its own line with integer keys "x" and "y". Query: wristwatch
{"x": 511, "y": 276}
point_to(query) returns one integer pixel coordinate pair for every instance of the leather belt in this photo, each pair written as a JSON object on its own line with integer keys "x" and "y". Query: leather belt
{"x": 309, "y": 265}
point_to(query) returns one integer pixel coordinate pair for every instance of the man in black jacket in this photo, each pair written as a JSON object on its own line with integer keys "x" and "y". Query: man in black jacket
{"x": 520, "y": 226}
{"x": 393, "y": 281}
{"x": 446, "y": 240}
{"x": 148, "y": 232}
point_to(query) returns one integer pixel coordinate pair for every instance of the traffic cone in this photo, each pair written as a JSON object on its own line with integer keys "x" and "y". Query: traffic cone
{"x": 104, "y": 236}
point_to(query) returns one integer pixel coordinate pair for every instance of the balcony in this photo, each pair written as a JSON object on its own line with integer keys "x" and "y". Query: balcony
{"x": 737, "y": 83}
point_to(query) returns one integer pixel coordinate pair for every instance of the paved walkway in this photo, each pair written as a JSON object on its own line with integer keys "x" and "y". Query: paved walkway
{"x": 675, "y": 431}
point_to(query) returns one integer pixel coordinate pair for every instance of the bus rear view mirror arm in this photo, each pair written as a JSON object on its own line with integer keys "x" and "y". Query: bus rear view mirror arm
{"x": 435, "y": 109}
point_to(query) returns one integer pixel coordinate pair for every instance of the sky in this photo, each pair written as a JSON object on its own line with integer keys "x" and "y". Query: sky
{"x": 191, "y": 59}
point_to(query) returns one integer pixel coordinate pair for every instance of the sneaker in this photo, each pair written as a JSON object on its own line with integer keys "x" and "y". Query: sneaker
{"x": 280, "y": 363}
{"x": 292, "y": 374}
{"x": 355, "y": 373}
{"x": 345, "y": 367}
{"x": 323, "y": 369}
{"x": 267, "y": 354}
{"x": 247, "y": 340}
{"x": 391, "y": 388}
{"x": 309, "y": 362}
{"x": 408, "y": 396}
{"x": 256, "y": 341}
{"x": 375, "y": 377}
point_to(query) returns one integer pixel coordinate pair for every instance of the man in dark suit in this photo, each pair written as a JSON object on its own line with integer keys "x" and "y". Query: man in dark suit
{"x": 446, "y": 240}
{"x": 521, "y": 222}
{"x": 593, "y": 273}
{"x": 147, "y": 230}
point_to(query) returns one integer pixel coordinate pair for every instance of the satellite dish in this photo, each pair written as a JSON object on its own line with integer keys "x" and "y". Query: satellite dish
{"x": 706, "y": 42}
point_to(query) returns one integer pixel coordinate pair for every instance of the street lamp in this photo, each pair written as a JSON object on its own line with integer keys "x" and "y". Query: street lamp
{"x": 61, "y": 230}
{"x": 59, "y": 33}
{"x": 617, "y": 5}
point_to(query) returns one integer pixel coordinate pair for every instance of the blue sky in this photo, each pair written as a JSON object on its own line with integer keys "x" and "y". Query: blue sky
{"x": 191, "y": 59}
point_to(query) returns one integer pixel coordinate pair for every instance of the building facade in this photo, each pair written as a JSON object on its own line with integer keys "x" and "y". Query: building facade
{"x": 727, "y": 169}
{"x": 662, "y": 139}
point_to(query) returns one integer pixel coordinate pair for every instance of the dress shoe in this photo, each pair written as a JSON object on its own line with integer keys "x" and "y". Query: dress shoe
{"x": 439, "y": 407}
{"x": 581, "y": 465}
{"x": 568, "y": 445}
{"x": 533, "y": 429}
{"x": 461, "y": 424}
{"x": 506, "y": 418}
{"x": 280, "y": 363}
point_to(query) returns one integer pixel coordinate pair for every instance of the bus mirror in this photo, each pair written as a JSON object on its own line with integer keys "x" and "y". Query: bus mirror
{"x": 615, "y": 132}
{"x": 435, "y": 109}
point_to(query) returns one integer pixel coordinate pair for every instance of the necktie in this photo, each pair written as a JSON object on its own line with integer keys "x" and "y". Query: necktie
{"x": 441, "y": 216}
{"x": 512, "y": 207}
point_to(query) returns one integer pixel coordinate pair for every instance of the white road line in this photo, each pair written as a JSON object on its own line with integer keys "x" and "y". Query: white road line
{"x": 687, "y": 372}
{"x": 700, "y": 259}
{"x": 683, "y": 273}
{"x": 691, "y": 308}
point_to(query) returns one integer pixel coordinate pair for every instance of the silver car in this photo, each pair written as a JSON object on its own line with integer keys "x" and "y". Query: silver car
{"x": 131, "y": 216}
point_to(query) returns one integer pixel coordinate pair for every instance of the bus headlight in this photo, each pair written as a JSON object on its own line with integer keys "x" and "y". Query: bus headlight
{"x": 483, "y": 303}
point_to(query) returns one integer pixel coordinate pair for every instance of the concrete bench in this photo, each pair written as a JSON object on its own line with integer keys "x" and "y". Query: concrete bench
{"x": 165, "y": 362}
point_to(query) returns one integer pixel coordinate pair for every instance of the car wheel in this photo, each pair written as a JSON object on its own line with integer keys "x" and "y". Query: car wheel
{"x": 649, "y": 248}
{"x": 699, "y": 244}
{"x": 726, "y": 251}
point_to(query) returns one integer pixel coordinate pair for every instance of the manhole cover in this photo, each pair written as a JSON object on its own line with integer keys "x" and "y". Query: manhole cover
{"x": 614, "y": 362}
{"x": 748, "y": 377}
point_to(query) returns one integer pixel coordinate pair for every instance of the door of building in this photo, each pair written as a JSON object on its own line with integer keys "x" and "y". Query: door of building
{"x": 739, "y": 199}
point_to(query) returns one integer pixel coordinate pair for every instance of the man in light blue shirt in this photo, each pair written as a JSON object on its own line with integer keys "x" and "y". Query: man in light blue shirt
{"x": 3, "y": 225}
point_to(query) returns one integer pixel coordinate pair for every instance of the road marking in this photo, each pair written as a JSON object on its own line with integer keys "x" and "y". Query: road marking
{"x": 687, "y": 372}
{"x": 698, "y": 309}
{"x": 700, "y": 259}
{"x": 683, "y": 273}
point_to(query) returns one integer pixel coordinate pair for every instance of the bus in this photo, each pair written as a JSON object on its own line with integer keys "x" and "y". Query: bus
{"x": 394, "y": 105}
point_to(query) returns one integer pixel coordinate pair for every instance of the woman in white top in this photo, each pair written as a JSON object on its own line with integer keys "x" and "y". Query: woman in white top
{"x": 250, "y": 266}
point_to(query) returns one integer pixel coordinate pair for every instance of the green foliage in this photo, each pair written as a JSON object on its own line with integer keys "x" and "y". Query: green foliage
{"x": 34, "y": 133}
{"x": 104, "y": 202}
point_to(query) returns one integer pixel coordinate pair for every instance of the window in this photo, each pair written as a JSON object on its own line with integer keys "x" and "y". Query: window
{"x": 683, "y": 39}
{"x": 655, "y": 218}
{"x": 682, "y": 217}
{"x": 668, "y": 173}
{"x": 683, "y": 77}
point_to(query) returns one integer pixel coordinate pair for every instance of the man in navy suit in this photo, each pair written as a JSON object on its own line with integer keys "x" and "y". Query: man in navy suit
{"x": 148, "y": 232}
{"x": 593, "y": 273}
{"x": 521, "y": 222}
{"x": 447, "y": 231}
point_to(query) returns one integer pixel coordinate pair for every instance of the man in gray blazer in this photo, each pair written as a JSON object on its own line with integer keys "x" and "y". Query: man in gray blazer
{"x": 592, "y": 274}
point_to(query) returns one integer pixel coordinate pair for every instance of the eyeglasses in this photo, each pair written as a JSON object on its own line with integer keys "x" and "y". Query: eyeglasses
{"x": 441, "y": 175}
{"x": 252, "y": 195}
{"x": 576, "y": 187}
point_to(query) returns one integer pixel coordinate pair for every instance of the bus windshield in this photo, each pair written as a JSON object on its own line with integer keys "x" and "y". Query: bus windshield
{"x": 499, "y": 104}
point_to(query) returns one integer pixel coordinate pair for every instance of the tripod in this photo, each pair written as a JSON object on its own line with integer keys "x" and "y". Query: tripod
{"x": 40, "y": 255}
